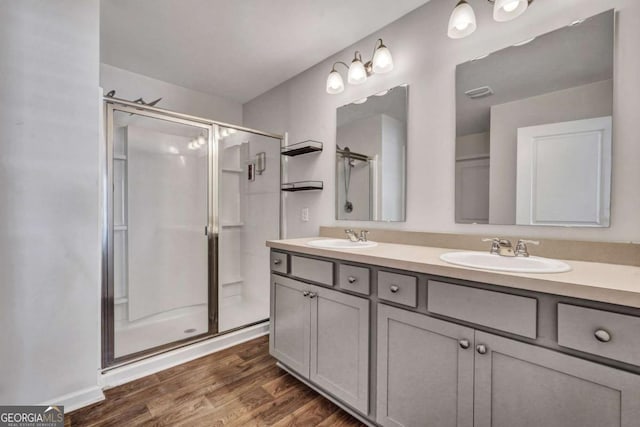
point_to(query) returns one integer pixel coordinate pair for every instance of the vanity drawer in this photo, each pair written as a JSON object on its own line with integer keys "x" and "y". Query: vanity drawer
{"x": 312, "y": 269}
{"x": 497, "y": 310}
{"x": 354, "y": 279}
{"x": 618, "y": 335}
{"x": 398, "y": 288}
{"x": 279, "y": 262}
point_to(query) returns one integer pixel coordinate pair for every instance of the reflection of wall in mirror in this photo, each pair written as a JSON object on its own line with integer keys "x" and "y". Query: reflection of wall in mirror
{"x": 376, "y": 188}
{"x": 582, "y": 102}
{"x": 472, "y": 178}
{"x": 360, "y": 136}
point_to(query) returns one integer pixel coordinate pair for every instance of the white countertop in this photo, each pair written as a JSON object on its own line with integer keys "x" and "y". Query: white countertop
{"x": 611, "y": 283}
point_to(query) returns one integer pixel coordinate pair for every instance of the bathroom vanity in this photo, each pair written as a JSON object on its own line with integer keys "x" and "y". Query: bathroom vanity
{"x": 398, "y": 337}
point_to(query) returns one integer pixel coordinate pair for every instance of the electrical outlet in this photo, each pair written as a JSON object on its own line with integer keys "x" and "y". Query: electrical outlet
{"x": 304, "y": 214}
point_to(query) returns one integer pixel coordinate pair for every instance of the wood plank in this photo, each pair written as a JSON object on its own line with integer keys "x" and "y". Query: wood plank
{"x": 238, "y": 386}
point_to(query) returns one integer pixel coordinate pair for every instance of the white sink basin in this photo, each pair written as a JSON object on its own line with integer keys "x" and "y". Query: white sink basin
{"x": 487, "y": 261}
{"x": 340, "y": 244}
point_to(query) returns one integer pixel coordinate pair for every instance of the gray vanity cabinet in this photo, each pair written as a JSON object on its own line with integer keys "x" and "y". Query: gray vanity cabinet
{"x": 521, "y": 385}
{"x": 323, "y": 335}
{"x": 340, "y": 346}
{"x": 425, "y": 370}
{"x": 290, "y": 327}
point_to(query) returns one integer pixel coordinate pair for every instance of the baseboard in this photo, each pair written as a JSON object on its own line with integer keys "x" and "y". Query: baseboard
{"x": 78, "y": 399}
{"x": 151, "y": 365}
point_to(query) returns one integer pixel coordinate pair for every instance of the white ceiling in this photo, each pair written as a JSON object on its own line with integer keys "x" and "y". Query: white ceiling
{"x": 237, "y": 49}
{"x": 561, "y": 59}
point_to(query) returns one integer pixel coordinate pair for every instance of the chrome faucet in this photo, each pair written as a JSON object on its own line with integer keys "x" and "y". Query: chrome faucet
{"x": 353, "y": 236}
{"x": 521, "y": 247}
{"x": 502, "y": 247}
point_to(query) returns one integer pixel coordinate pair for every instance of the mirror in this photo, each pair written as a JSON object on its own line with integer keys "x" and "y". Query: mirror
{"x": 371, "y": 157}
{"x": 533, "y": 130}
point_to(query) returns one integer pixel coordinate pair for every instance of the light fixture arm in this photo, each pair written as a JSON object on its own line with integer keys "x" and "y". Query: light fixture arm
{"x": 333, "y": 68}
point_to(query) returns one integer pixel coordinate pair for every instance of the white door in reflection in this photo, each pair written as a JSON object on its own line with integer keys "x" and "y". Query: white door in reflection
{"x": 564, "y": 173}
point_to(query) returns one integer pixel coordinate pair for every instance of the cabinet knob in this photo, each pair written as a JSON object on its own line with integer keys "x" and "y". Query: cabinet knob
{"x": 312, "y": 295}
{"x": 305, "y": 293}
{"x": 481, "y": 348}
{"x": 394, "y": 289}
{"x": 351, "y": 279}
{"x": 464, "y": 343}
{"x": 277, "y": 261}
{"x": 602, "y": 335}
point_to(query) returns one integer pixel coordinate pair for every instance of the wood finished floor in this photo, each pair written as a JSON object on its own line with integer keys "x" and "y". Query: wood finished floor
{"x": 239, "y": 386}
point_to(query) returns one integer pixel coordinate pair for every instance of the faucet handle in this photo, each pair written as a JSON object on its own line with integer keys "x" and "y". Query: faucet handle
{"x": 495, "y": 244}
{"x": 363, "y": 235}
{"x": 521, "y": 247}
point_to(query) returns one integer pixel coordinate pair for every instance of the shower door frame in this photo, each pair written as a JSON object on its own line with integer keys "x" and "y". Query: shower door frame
{"x": 212, "y": 228}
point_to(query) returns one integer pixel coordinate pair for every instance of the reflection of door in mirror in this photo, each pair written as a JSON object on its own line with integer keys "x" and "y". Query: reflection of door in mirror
{"x": 563, "y": 76}
{"x": 371, "y": 157}
{"x": 564, "y": 173}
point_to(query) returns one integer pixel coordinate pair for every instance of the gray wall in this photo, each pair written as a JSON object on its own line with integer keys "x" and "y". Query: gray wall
{"x": 130, "y": 85}
{"x": 49, "y": 234}
{"x": 425, "y": 58}
{"x": 582, "y": 102}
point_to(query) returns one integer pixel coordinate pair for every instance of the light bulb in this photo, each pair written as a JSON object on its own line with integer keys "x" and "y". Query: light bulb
{"x": 510, "y": 7}
{"x": 334, "y": 83}
{"x": 382, "y": 60}
{"x": 506, "y": 10}
{"x": 357, "y": 74}
{"x": 201, "y": 140}
{"x": 462, "y": 22}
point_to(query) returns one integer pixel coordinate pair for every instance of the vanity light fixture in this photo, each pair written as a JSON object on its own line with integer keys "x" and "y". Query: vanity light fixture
{"x": 462, "y": 22}
{"x": 359, "y": 71}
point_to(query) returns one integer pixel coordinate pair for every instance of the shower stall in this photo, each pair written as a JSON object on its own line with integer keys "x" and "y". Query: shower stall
{"x": 188, "y": 204}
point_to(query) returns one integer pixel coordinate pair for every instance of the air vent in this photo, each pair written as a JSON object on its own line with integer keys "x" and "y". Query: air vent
{"x": 479, "y": 92}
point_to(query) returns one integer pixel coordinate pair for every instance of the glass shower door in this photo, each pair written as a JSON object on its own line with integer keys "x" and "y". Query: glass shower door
{"x": 162, "y": 172}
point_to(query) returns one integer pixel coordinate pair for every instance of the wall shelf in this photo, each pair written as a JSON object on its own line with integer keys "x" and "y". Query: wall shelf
{"x": 302, "y": 186}
{"x": 303, "y": 147}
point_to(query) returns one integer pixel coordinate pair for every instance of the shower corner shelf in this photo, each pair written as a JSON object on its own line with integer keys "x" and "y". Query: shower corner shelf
{"x": 302, "y": 186}
{"x": 304, "y": 147}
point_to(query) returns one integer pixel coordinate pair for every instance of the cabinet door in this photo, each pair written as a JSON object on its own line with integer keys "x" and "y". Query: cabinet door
{"x": 340, "y": 346}
{"x": 520, "y": 385}
{"x": 290, "y": 323}
{"x": 425, "y": 371}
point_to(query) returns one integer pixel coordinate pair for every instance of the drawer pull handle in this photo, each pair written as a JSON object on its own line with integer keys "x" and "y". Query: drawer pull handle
{"x": 464, "y": 344}
{"x": 481, "y": 348}
{"x": 305, "y": 293}
{"x": 352, "y": 279}
{"x": 313, "y": 295}
{"x": 394, "y": 289}
{"x": 602, "y": 335}
{"x": 277, "y": 261}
